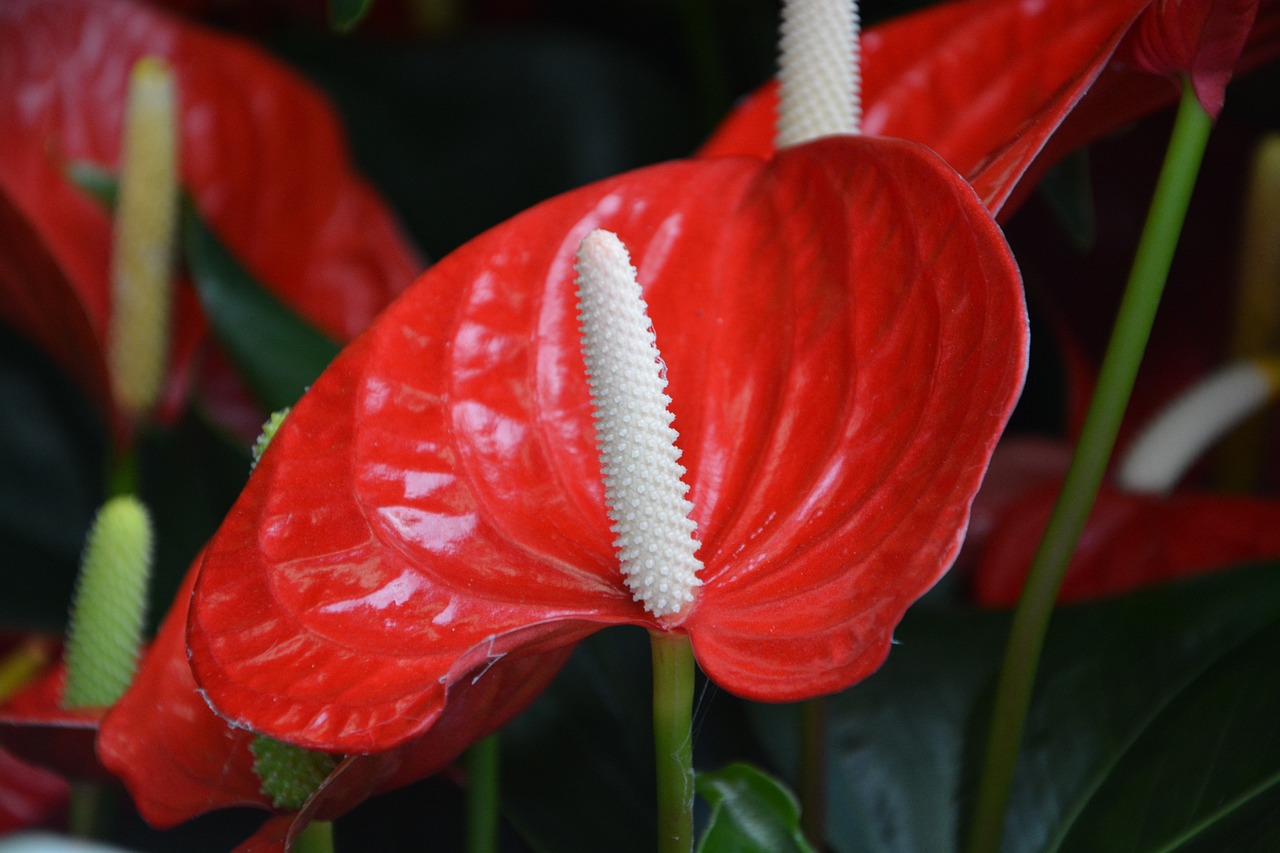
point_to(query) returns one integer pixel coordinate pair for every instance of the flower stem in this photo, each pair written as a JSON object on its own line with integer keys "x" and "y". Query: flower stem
{"x": 1102, "y": 423}
{"x": 316, "y": 837}
{"x": 482, "y": 796}
{"x": 813, "y": 770}
{"x": 673, "y": 670}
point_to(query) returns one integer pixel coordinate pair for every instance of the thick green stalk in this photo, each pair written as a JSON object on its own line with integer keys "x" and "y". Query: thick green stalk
{"x": 316, "y": 837}
{"x": 482, "y": 796}
{"x": 673, "y": 671}
{"x": 1102, "y": 422}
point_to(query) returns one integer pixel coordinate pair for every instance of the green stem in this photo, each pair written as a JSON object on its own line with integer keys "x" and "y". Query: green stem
{"x": 482, "y": 796}
{"x": 673, "y": 670}
{"x": 87, "y": 810}
{"x": 122, "y": 474}
{"x": 1102, "y": 423}
{"x": 813, "y": 770}
{"x": 316, "y": 837}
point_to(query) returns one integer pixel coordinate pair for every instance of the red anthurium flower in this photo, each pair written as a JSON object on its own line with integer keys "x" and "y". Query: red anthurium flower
{"x": 844, "y": 335}
{"x": 260, "y": 153}
{"x": 1003, "y": 88}
{"x": 1201, "y": 39}
{"x": 29, "y": 796}
{"x": 1131, "y": 541}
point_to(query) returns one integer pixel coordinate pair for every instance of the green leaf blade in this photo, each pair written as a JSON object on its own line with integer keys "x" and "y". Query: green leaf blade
{"x": 1210, "y": 758}
{"x": 904, "y": 745}
{"x": 276, "y": 351}
{"x": 751, "y": 813}
{"x": 345, "y": 14}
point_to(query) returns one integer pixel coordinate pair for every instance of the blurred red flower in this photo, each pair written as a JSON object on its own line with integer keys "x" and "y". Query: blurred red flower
{"x": 261, "y": 154}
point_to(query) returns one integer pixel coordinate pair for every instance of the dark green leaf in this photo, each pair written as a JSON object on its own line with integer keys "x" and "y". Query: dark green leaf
{"x": 94, "y": 180}
{"x": 577, "y": 766}
{"x": 1116, "y": 678}
{"x": 1066, "y": 190}
{"x": 276, "y": 352}
{"x": 52, "y": 446}
{"x": 1211, "y": 757}
{"x": 345, "y": 14}
{"x": 751, "y": 813}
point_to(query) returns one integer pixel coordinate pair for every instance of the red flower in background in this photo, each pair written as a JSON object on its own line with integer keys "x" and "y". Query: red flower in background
{"x": 29, "y": 796}
{"x": 1002, "y": 89}
{"x": 261, "y": 154}
{"x": 1202, "y": 40}
{"x": 1132, "y": 540}
{"x": 840, "y": 367}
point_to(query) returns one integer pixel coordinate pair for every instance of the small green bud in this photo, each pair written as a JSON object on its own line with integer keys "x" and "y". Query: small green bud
{"x": 107, "y": 613}
{"x": 289, "y": 774}
{"x": 268, "y": 432}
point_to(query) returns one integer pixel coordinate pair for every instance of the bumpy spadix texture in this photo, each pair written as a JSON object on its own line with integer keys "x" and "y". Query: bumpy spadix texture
{"x": 146, "y": 224}
{"x": 818, "y": 70}
{"x": 638, "y": 455}
{"x": 111, "y": 601}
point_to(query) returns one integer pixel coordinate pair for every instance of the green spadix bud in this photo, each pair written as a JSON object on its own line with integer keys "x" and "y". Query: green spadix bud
{"x": 289, "y": 774}
{"x": 110, "y": 604}
{"x": 268, "y": 432}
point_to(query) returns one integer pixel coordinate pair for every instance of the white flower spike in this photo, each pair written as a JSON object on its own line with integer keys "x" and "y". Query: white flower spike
{"x": 638, "y": 456}
{"x": 818, "y": 71}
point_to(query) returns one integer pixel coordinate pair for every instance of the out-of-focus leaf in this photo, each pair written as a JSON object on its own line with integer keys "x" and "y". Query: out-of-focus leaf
{"x": 577, "y": 777}
{"x": 1208, "y": 761}
{"x": 1066, "y": 190}
{"x": 432, "y": 121}
{"x": 51, "y": 478}
{"x": 277, "y": 353}
{"x": 1122, "y": 683}
{"x": 97, "y": 182}
{"x": 751, "y": 813}
{"x": 345, "y": 14}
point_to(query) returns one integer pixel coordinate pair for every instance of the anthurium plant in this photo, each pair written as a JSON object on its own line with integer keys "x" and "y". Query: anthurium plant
{"x": 752, "y": 470}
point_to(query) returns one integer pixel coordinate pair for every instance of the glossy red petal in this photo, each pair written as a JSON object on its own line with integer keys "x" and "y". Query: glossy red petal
{"x": 1201, "y": 39}
{"x": 260, "y": 152}
{"x": 897, "y": 349}
{"x": 177, "y": 758}
{"x": 984, "y": 83}
{"x": 434, "y": 502}
{"x": 1131, "y": 541}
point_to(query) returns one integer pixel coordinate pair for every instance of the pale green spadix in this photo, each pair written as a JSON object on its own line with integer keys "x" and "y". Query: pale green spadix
{"x": 105, "y": 633}
{"x": 638, "y": 454}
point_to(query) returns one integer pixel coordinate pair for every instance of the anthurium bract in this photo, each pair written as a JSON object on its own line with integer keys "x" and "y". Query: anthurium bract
{"x": 844, "y": 335}
{"x": 1002, "y": 89}
{"x": 179, "y": 760}
{"x": 261, "y": 155}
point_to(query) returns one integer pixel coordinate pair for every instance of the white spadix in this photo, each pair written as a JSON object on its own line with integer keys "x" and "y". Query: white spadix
{"x": 638, "y": 455}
